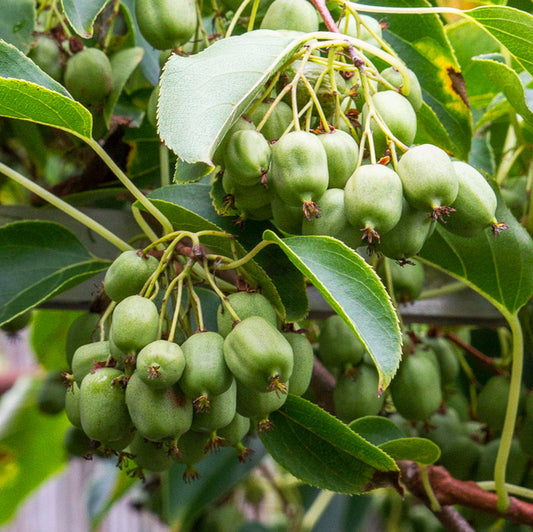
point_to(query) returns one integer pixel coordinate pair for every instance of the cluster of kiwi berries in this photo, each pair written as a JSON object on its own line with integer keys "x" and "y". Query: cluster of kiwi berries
{"x": 157, "y": 401}
{"x": 341, "y": 177}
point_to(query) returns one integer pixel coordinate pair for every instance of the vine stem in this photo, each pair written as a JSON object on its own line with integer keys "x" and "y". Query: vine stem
{"x": 65, "y": 207}
{"x": 134, "y": 191}
{"x": 316, "y": 510}
{"x": 163, "y": 163}
{"x": 141, "y": 222}
{"x": 511, "y": 412}
{"x": 433, "y": 502}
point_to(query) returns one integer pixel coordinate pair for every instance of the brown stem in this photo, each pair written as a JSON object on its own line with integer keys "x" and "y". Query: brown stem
{"x": 331, "y": 25}
{"x": 450, "y": 491}
{"x": 488, "y": 362}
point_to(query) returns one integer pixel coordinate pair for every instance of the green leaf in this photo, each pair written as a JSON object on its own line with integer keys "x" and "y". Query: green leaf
{"x": 40, "y": 260}
{"x": 189, "y": 173}
{"x": 419, "y": 450}
{"x": 376, "y": 429}
{"x": 17, "y": 23}
{"x": 511, "y": 27}
{"x": 31, "y": 445}
{"x": 468, "y": 40}
{"x": 219, "y": 473}
{"x": 508, "y": 82}
{"x": 319, "y": 449}
{"x": 500, "y": 267}
{"x": 49, "y": 337}
{"x": 27, "y": 93}
{"x": 354, "y": 291}
{"x": 421, "y": 42}
{"x": 201, "y": 95}
{"x": 81, "y": 14}
{"x": 123, "y": 63}
{"x": 191, "y": 209}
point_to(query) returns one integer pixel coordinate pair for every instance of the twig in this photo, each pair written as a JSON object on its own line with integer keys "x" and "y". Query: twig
{"x": 478, "y": 355}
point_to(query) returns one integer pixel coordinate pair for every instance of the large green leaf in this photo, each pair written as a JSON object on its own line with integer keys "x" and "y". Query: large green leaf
{"x": 201, "y": 95}
{"x": 26, "y": 92}
{"x": 40, "y": 260}
{"x": 421, "y": 42}
{"x": 192, "y": 210}
{"x": 319, "y": 449}
{"x": 354, "y": 291}
{"x": 31, "y": 445}
{"x": 49, "y": 336}
{"x": 468, "y": 40}
{"x": 500, "y": 267}
{"x": 512, "y": 27}
{"x": 18, "y": 22}
{"x": 376, "y": 429}
{"x": 508, "y": 82}
{"x": 219, "y": 473}
{"x": 82, "y": 13}
{"x": 123, "y": 63}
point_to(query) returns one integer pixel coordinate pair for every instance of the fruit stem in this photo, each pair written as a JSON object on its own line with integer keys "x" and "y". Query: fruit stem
{"x": 433, "y": 502}
{"x": 65, "y": 207}
{"x": 243, "y": 260}
{"x": 253, "y": 14}
{"x": 175, "y": 316}
{"x": 143, "y": 224}
{"x": 236, "y": 17}
{"x": 511, "y": 412}
{"x": 163, "y": 165}
{"x": 197, "y": 305}
{"x": 526, "y": 493}
{"x": 136, "y": 193}
{"x": 211, "y": 280}
{"x": 315, "y": 511}
{"x": 104, "y": 318}
{"x": 404, "y": 10}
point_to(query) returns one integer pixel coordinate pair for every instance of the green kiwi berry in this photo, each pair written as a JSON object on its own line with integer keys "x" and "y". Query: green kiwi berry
{"x": 395, "y": 78}
{"x": 51, "y": 396}
{"x": 88, "y": 76}
{"x": 303, "y": 362}
{"x": 429, "y": 180}
{"x": 338, "y": 345}
{"x": 245, "y": 305}
{"x": 492, "y": 402}
{"x": 80, "y": 332}
{"x": 160, "y": 364}
{"x": 368, "y": 208}
{"x": 342, "y": 152}
{"x": 277, "y": 122}
{"x": 297, "y": 15}
{"x": 87, "y": 357}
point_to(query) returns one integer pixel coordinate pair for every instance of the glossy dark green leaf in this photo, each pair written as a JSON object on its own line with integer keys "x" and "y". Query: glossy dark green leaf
{"x": 49, "y": 337}
{"x": 509, "y": 26}
{"x": 507, "y": 81}
{"x": 419, "y": 450}
{"x": 18, "y": 23}
{"x": 192, "y": 210}
{"x": 40, "y": 260}
{"x": 421, "y": 42}
{"x": 354, "y": 291}
{"x": 82, "y": 13}
{"x": 217, "y": 84}
{"x": 31, "y": 445}
{"x": 322, "y": 451}
{"x": 500, "y": 267}
{"x": 27, "y": 93}
{"x": 219, "y": 473}
{"x": 123, "y": 63}
{"x": 376, "y": 429}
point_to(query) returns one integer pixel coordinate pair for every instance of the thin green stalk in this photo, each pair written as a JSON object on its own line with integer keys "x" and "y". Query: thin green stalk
{"x": 511, "y": 412}
{"x": 236, "y": 17}
{"x": 448, "y": 288}
{"x": 65, "y": 207}
{"x": 163, "y": 164}
{"x": 134, "y": 191}
{"x": 403, "y": 10}
{"x": 316, "y": 510}
{"x": 250, "y": 255}
{"x": 433, "y": 502}
{"x": 143, "y": 224}
{"x": 196, "y": 305}
{"x": 489, "y": 485}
